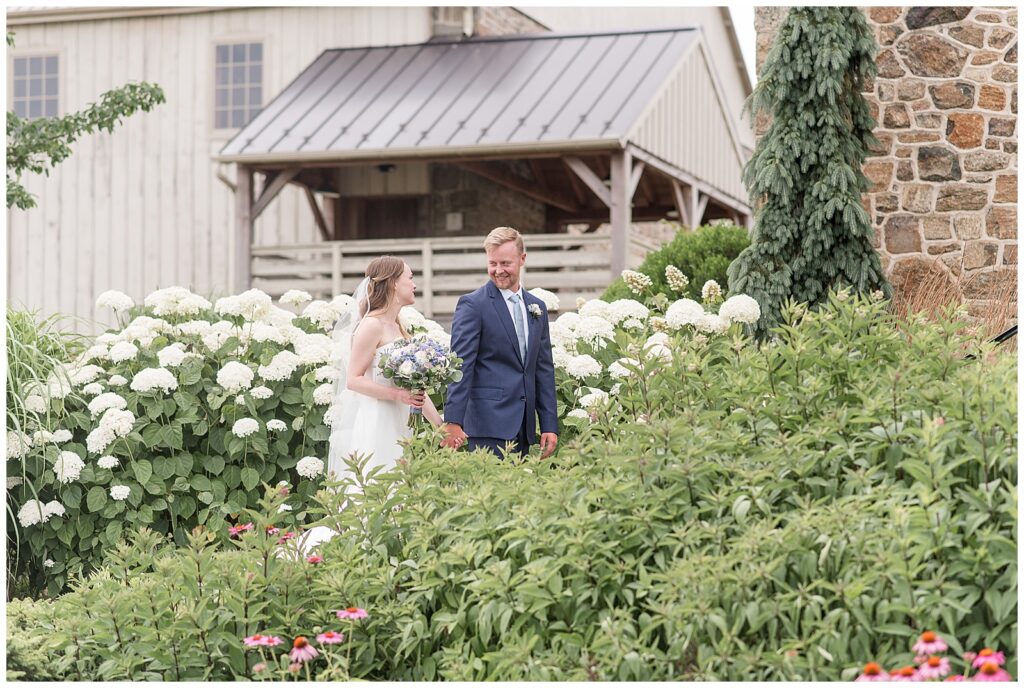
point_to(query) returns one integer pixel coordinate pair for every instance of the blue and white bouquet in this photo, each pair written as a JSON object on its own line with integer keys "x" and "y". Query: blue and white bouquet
{"x": 420, "y": 364}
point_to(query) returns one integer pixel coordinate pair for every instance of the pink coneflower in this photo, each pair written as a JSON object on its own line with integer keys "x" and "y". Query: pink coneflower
{"x": 271, "y": 530}
{"x": 257, "y": 668}
{"x": 234, "y": 531}
{"x": 354, "y": 613}
{"x": 302, "y": 651}
{"x": 315, "y": 559}
{"x": 934, "y": 667}
{"x": 969, "y": 656}
{"x": 259, "y": 640}
{"x": 330, "y": 638}
{"x": 907, "y": 673}
{"x": 990, "y": 671}
{"x": 989, "y": 655}
{"x": 956, "y": 677}
{"x": 873, "y": 672}
{"x": 295, "y": 667}
{"x": 929, "y": 644}
{"x": 286, "y": 537}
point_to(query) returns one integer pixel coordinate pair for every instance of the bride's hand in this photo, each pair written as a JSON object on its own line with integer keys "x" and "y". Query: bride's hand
{"x": 414, "y": 399}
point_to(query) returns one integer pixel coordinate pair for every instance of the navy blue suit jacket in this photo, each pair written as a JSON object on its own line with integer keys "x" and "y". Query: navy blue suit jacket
{"x": 497, "y": 386}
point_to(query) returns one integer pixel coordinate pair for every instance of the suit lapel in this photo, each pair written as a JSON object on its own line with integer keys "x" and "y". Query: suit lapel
{"x": 506, "y": 320}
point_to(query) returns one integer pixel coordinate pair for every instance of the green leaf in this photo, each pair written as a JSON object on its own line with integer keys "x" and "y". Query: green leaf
{"x": 250, "y": 478}
{"x": 143, "y": 471}
{"x": 96, "y": 499}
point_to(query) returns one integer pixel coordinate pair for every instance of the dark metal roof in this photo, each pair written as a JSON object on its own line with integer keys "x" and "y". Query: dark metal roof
{"x": 486, "y": 92}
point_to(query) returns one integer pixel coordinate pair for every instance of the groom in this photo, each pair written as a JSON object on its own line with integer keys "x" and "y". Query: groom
{"x": 508, "y": 377}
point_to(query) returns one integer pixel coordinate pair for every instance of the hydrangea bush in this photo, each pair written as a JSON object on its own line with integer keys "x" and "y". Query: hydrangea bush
{"x": 171, "y": 420}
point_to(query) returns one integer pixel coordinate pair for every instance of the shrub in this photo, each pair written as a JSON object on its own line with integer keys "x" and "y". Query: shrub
{"x": 703, "y": 254}
{"x": 758, "y": 512}
{"x": 166, "y": 423}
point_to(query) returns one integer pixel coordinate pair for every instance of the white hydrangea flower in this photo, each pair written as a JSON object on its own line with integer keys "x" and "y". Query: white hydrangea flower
{"x": 244, "y": 427}
{"x": 61, "y": 436}
{"x": 53, "y": 508}
{"x": 276, "y": 425}
{"x": 313, "y": 349}
{"x": 321, "y": 314}
{"x": 281, "y": 366}
{"x": 594, "y": 308}
{"x": 92, "y": 389}
{"x": 560, "y": 357}
{"x": 309, "y": 467}
{"x": 35, "y": 403}
{"x": 618, "y": 369}
{"x": 31, "y": 513}
{"x": 85, "y": 374}
{"x": 250, "y": 305}
{"x": 283, "y": 508}
{"x": 68, "y": 467}
{"x": 659, "y": 351}
{"x": 119, "y": 492}
{"x": 327, "y": 373}
{"x": 684, "y": 312}
{"x": 298, "y": 422}
{"x": 584, "y": 366}
{"x": 411, "y": 318}
{"x": 41, "y": 437}
{"x": 711, "y": 291}
{"x": 116, "y": 300}
{"x": 123, "y": 351}
{"x": 176, "y": 301}
{"x": 331, "y": 415}
{"x": 107, "y": 400}
{"x": 593, "y": 398}
{"x": 713, "y": 323}
{"x": 261, "y": 392}
{"x": 559, "y": 335}
{"x": 13, "y": 482}
{"x": 107, "y": 462}
{"x": 240, "y": 400}
{"x": 342, "y": 302}
{"x": 295, "y": 297}
{"x": 107, "y": 338}
{"x": 171, "y": 356}
{"x": 740, "y": 308}
{"x": 628, "y": 313}
{"x": 48, "y": 564}
{"x": 193, "y": 328}
{"x": 568, "y": 320}
{"x": 579, "y": 413}
{"x": 594, "y": 330}
{"x": 235, "y": 376}
{"x": 550, "y": 299}
{"x": 218, "y": 334}
{"x": 152, "y": 379}
{"x": 18, "y": 444}
{"x": 118, "y": 421}
{"x": 99, "y": 439}
{"x": 57, "y": 386}
{"x": 117, "y": 381}
{"x": 323, "y": 394}
{"x": 96, "y": 352}
{"x": 265, "y": 332}
{"x": 657, "y": 338}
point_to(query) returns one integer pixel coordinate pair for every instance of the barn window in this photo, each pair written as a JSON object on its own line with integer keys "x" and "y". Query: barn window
{"x": 35, "y": 86}
{"x": 239, "y": 84}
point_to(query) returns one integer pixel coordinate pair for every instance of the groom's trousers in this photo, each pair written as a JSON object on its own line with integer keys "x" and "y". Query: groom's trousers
{"x": 496, "y": 445}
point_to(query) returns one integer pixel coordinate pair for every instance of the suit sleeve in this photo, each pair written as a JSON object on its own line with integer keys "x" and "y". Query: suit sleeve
{"x": 547, "y": 409}
{"x": 465, "y": 343}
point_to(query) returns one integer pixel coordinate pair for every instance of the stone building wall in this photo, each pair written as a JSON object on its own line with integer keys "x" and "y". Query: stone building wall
{"x": 482, "y": 203}
{"x": 943, "y": 195}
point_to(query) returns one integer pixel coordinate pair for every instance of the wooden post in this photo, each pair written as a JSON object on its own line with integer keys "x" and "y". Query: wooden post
{"x": 243, "y": 229}
{"x": 427, "y": 255}
{"x": 621, "y": 210}
{"x": 335, "y": 268}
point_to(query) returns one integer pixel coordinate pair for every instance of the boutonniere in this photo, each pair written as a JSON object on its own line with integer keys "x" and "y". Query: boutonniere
{"x": 534, "y": 311}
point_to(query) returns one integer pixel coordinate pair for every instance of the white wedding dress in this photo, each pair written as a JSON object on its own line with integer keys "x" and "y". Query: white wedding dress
{"x": 362, "y": 425}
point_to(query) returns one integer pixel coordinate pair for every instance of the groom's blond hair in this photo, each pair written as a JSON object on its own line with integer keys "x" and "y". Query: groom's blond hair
{"x": 503, "y": 235}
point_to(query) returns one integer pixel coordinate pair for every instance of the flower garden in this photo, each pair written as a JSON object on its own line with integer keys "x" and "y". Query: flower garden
{"x": 810, "y": 507}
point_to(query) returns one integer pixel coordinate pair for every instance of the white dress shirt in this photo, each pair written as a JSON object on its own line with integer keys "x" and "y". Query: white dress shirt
{"x": 505, "y": 294}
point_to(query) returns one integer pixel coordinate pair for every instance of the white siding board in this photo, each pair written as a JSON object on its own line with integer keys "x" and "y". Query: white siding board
{"x": 67, "y": 257}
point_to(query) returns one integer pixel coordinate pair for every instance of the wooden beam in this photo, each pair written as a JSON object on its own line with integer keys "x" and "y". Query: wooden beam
{"x": 681, "y": 207}
{"x": 698, "y": 204}
{"x": 673, "y": 172}
{"x": 574, "y": 182}
{"x": 588, "y": 177}
{"x": 513, "y": 181}
{"x": 646, "y": 190}
{"x": 242, "y": 245}
{"x": 273, "y": 185}
{"x": 634, "y": 179}
{"x": 621, "y": 210}
{"x": 647, "y": 213}
{"x": 318, "y": 215}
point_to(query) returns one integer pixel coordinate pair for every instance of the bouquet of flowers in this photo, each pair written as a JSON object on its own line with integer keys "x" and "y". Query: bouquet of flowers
{"x": 420, "y": 364}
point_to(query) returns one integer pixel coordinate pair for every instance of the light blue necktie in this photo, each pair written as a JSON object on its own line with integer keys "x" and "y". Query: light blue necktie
{"x": 517, "y": 319}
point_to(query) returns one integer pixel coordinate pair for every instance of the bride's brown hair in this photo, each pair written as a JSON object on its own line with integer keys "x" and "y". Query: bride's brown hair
{"x": 383, "y": 273}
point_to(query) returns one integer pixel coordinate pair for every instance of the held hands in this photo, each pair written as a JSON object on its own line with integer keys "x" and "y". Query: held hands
{"x": 414, "y": 399}
{"x": 455, "y": 437}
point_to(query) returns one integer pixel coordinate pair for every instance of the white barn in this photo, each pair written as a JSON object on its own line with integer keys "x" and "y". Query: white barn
{"x": 154, "y": 203}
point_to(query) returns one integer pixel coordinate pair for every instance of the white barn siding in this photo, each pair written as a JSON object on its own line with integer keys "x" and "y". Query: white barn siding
{"x": 687, "y": 126}
{"x": 142, "y": 208}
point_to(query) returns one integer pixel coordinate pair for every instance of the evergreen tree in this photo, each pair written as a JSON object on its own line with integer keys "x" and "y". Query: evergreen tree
{"x": 811, "y": 233}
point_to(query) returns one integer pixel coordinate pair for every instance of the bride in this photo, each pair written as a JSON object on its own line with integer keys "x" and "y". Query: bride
{"x": 370, "y": 414}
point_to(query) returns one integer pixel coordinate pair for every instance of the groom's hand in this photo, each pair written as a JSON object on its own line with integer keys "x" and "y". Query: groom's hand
{"x": 548, "y": 442}
{"x": 455, "y": 437}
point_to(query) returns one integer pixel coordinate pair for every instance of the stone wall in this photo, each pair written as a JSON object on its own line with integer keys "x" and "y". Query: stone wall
{"x": 484, "y": 204}
{"x": 943, "y": 195}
